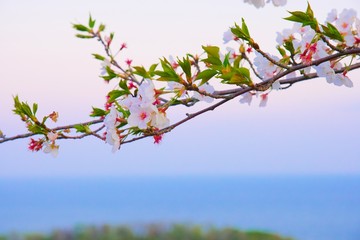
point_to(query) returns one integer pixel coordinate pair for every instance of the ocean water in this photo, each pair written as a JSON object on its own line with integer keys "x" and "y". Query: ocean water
{"x": 306, "y": 208}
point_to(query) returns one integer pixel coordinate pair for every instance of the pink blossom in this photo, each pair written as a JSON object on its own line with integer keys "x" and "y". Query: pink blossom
{"x": 123, "y": 45}
{"x": 34, "y": 145}
{"x": 157, "y": 138}
{"x": 263, "y": 99}
{"x": 128, "y": 62}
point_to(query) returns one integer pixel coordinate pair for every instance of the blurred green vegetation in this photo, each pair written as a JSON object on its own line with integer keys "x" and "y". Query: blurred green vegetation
{"x": 150, "y": 232}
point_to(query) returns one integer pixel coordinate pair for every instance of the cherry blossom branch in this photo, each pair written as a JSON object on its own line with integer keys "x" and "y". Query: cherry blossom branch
{"x": 71, "y": 126}
{"x": 243, "y": 55}
{"x": 265, "y": 55}
{"x": 226, "y": 95}
{"x": 112, "y": 60}
{"x": 233, "y": 93}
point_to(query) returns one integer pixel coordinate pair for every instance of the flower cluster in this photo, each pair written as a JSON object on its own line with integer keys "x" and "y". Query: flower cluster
{"x": 47, "y": 144}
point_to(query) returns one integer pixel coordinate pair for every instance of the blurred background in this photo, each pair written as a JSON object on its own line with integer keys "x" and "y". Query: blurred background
{"x": 291, "y": 168}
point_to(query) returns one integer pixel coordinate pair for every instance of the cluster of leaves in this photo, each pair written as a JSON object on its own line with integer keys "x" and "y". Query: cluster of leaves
{"x": 307, "y": 19}
{"x": 152, "y": 232}
{"x": 27, "y": 114}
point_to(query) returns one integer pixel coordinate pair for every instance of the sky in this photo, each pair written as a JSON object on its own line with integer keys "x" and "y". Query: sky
{"x": 311, "y": 128}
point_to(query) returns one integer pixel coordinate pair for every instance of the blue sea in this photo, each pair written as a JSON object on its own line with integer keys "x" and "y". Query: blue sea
{"x": 302, "y": 207}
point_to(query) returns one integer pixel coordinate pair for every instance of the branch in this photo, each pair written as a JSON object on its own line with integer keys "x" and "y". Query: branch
{"x": 71, "y": 126}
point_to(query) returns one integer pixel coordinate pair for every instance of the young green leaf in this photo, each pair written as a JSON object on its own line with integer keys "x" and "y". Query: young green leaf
{"x": 97, "y": 112}
{"x": 114, "y": 94}
{"x": 84, "y": 36}
{"x": 245, "y": 28}
{"x": 123, "y": 85}
{"x": 91, "y": 22}
{"x": 34, "y": 128}
{"x": 101, "y": 27}
{"x": 240, "y": 32}
{"x": 185, "y": 66}
{"x": 309, "y": 11}
{"x": 111, "y": 74}
{"x": 81, "y": 28}
{"x": 206, "y": 75}
{"x": 141, "y": 71}
{"x": 98, "y": 57}
{"x": 213, "y": 55}
{"x": 35, "y": 108}
{"x": 168, "y": 73}
{"x": 82, "y": 128}
{"x": 212, "y": 51}
{"x": 332, "y": 32}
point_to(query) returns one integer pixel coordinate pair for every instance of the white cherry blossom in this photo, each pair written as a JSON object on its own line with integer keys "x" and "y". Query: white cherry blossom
{"x": 204, "y": 88}
{"x": 140, "y": 117}
{"x": 338, "y": 79}
{"x": 264, "y": 67}
{"x": 246, "y": 98}
{"x": 112, "y": 137}
{"x": 51, "y": 148}
{"x": 261, "y": 3}
{"x": 159, "y": 120}
{"x": 228, "y": 36}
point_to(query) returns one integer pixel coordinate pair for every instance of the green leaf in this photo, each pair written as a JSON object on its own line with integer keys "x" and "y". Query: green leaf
{"x": 152, "y": 69}
{"x": 141, "y": 71}
{"x": 237, "y": 61}
{"x": 114, "y": 94}
{"x": 281, "y": 51}
{"x": 185, "y": 66}
{"x": 226, "y": 61}
{"x": 212, "y": 51}
{"x": 306, "y": 18}
{"x": 206, "y": 75}
{"x": 84, "y": 36}
{"x": 309, "y": 11}
{"x": 26, "y": 109}
{"x": 288, "y": 45}
{"x": 237, "y": 76}
{"x": 332, "y": 32}
{"x": 111, "y": 74}
{"x": 36, "y": 129}
{"x": 98, "y": 57}
{"x": 241, "y": 32}
{"x": 82, "y": 128}
{"x": 91, "y": 22}
{"x": 213, "y": 55}
{"x": 101, "y": 27}
{"x": 245, "y": 28}
{"x": 124, "y": 86}
{"x": 35, "y": 108}
{"x": 241, "y": 76}
{"x": 168, "y": 73}
{"x": 97, "y": 112}
{"x": 81, "y": 28}
{"x": 213, "y": 60}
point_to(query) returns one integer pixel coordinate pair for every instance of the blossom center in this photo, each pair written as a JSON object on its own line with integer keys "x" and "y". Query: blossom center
{"x": 143, "y": 115}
